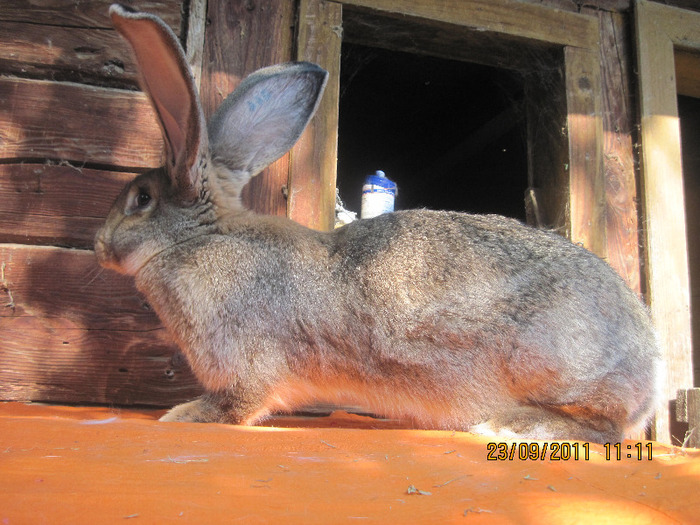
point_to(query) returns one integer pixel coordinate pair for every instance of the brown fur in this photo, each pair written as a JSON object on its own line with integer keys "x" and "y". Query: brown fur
{"x": 451, "y": 320}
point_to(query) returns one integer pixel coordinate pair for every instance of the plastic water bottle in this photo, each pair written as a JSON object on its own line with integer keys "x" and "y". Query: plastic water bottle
{"x": 378, "y": 194}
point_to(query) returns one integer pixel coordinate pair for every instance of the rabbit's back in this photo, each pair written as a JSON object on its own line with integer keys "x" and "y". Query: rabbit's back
{"x": 539, "y": 318}
{"x": 486, "y": 272}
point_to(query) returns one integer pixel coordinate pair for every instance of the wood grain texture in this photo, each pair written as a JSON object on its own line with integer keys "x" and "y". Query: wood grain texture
{"x": 585, "y": 134}
{"x": 521, "y": 19}
{"x": 314, "y": 157}
{"x": 662, "y": 181}
{"x": 619, "y": 119}
{"x": 81, "y": 55}
{"x": 688, "y": 411}
{"x": 240, "y": 38}
{"x": 93, "y": 14}
{"x": 52, "y": 120}
{"x": 411, "y": 34}
{"x": 620, "y": 178}
{"x": 196, "y": 27}
{"x": 55, "y": 204}
{"x": 72, "y": 332}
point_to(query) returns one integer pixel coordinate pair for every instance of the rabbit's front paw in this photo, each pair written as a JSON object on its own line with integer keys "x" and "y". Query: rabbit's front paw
{"x": 197, "y": 411}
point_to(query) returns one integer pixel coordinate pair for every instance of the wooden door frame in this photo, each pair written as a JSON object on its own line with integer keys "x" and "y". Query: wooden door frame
{"x": 662, "y": 33}
{"x": 580, "y": 210}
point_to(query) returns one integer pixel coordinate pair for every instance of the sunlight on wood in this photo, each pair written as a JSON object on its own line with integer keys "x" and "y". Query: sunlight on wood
{"x": 100, "y": 465}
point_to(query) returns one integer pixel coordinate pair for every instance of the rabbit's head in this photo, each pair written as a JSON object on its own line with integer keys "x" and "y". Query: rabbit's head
{"x": 205, "y": 169}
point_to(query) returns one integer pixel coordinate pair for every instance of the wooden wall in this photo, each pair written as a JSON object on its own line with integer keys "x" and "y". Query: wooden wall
{"x": 73, "y": 131}
{"x": 74, "y": 128}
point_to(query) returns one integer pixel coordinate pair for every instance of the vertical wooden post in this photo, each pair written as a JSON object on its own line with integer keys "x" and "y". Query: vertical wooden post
{"x": 314, "y": 158}
{"x": 621, "y": 192}
{"x": 194, "y": 45}
{"x": 585, "y": 132}
{"x": 565, "y": 147}
{"x": 688, "y": 411}
{"x": 241, "y": 37}
{"x": 662, "y": 182}
{"x": 620, "y": 188}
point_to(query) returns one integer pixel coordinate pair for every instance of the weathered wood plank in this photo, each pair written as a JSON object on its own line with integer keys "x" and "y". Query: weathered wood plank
{"x": 314, "y": 158}
{"x": 71, "y": 332}
{"x": 621, "y": 190}
{"x": 688, "y": 411}
{"x": 77, "y": 54}
{"x": 662, "y": 181}
{"x": 585, "y": 132}
{"x": 580, "y": 5}
{"x": 240, "y": 38}
{"x": 196, "y": 28}
{"x": 421, "y": 36}
{"x": 92, "y": 14}
{"x": 509, "y": 17}
{"x": 55, "y": 205}
{"x": 40, "y": 119}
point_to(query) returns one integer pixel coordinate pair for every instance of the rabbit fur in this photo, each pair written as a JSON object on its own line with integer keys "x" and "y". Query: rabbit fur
{"x": 449, "y": 320}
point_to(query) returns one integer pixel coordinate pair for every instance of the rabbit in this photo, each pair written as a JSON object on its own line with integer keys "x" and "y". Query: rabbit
{"x": 444, "y": 319}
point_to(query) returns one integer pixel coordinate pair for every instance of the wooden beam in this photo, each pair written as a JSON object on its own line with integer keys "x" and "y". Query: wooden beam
{"x": 194, "y": 47}
{"x": 240, "y": 38}
{"x": 72, "y": 332}
{"x": 55, "y": 204}
{"x": 585, "y": 135}
{"x": 400, "y": 32}
{"x": 85, "y": 124}
{"x": 504, "y": 17}
{"x": 66, "y": 53}
{"x": 658, "y": 28}
{"x": 93, "y": 14}
{"x": 619, "y": 133}
{"x": 688, "y": 411}
{"x": 314, "y": 158}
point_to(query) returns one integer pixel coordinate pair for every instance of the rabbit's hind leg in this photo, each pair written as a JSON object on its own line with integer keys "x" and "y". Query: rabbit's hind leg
{"x": 222, "y": 407}
{"x": 545, "y": 423}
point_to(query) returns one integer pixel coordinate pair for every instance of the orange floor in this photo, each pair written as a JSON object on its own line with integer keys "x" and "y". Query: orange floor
{"x": 98, "y": 465}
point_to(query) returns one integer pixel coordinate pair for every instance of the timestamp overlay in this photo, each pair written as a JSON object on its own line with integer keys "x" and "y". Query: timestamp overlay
{"x": 565, "y": 451}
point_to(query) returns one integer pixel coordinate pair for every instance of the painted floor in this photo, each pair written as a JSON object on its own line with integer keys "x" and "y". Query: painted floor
{"x": 66, "y": 465}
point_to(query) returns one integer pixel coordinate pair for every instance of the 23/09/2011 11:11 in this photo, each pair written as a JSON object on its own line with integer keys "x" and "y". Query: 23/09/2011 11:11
{"x": 556, "y": 451}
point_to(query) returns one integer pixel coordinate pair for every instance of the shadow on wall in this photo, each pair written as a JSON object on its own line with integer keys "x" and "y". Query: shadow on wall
{"x": 69, "y": 331}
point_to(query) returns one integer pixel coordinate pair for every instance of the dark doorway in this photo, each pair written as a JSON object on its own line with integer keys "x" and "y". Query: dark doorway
{"x": 689, "y": 111}
{"x": 451, "y": 134}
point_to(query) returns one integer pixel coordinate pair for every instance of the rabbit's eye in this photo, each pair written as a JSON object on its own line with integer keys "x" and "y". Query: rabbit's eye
{"x": 142, "y": 199}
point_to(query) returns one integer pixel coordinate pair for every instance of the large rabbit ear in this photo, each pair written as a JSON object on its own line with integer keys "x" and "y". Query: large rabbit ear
{"x": 166, "y": 78}
{"x": 263, "y": 118}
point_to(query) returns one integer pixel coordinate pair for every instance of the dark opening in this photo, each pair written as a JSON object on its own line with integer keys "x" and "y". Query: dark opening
{"x": 451, "y": 134}
{"x": 689, "y": 111}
